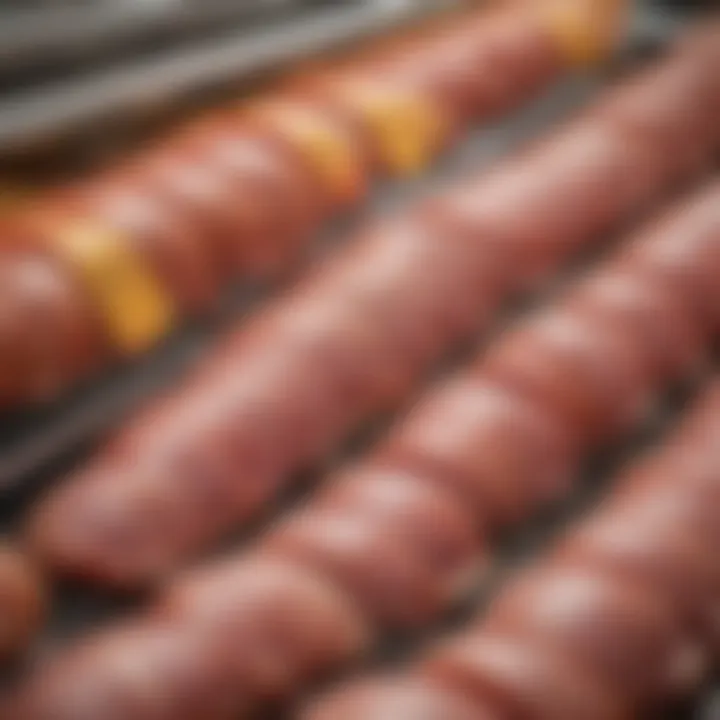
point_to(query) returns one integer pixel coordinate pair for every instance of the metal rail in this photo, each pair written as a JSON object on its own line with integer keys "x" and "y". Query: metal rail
{"x": 37, "y": 115}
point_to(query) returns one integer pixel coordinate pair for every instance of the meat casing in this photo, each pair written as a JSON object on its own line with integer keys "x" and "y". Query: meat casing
{"x": 240, "y": 192}
{"x": 396, "y": 540}
{"x": 269, "y": 401}
{"x": 613, "y": 624}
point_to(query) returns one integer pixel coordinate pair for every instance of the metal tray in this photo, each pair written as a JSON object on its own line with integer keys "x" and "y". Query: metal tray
{"x": 104, "y": 96}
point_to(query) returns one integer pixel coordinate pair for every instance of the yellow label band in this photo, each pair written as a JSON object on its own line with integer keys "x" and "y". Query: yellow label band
{"x": 136, "y": 309}
{"x": 332, "y": 152}
{"x": 408, "y": 130}
{"x": 586, "y": 30}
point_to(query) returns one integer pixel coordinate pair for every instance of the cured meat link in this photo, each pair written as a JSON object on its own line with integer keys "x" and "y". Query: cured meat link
{"x": 154, "y": 240}
{"x": 616, "y": 621}
{"x": 391, "y": 543}
{"x": 357, "y": 334}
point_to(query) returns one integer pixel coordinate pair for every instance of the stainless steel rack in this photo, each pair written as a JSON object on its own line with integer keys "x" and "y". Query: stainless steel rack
{"x": 41, "y": 111}
{"x": 41, "y": 34}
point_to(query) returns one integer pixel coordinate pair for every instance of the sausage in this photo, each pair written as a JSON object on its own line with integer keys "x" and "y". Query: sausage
{"x": 666, "y": 106}
{"x": 372, "y": 560}
{"x": 459, "y": 69}
{"x": 396, "y": 699}
{"x": 44, "y": 313}
{"x": 448, "y": 75}
{"x": 371, "y": 360}
{"x": 173, "y": 208}
{"x": 654, "y": 498}
{"x": 240, "y": 192}
{"x": 620, "y": 297}
{"x": 619, "y": 631}
{"x": 404, "y": 128}
{"x": 369, "y": 372}
{"x": 688, "y": 269}
{"x": 518, "y": 679}
{"x": 502, "y": 454}
{"x": 326, "y": 88}
{"x": 440, "y": 529}
{"x": 631, "y": 545}
{"x": 700, "y": 36}
{"x": 226, "y": 215}
{"x": 286, "y": 389}
{"x": 419, "y": 284}
{"x": 519, "y": 42}
{"x": 335, "y": 147}
{"x": 142, "y": 670}
{"x": 390, "y": 548}
{"x": 158, "y": 231}
{"x": 193, "y": 658}
{"x": 288, "y": 187}
{"x": 229, "y": 426}
{"x": 593, "y": 376}
{"x": 22, "y": 602}
{"x": 615, "y": 622}
{"x": 274, "y": 623}
{"x": 123, "y": 288}
{"x": 230, "y": 402}
{"x": 690, "y": 515}
{"x": 611, "y": 179}
{"x": 413, "y": 99}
